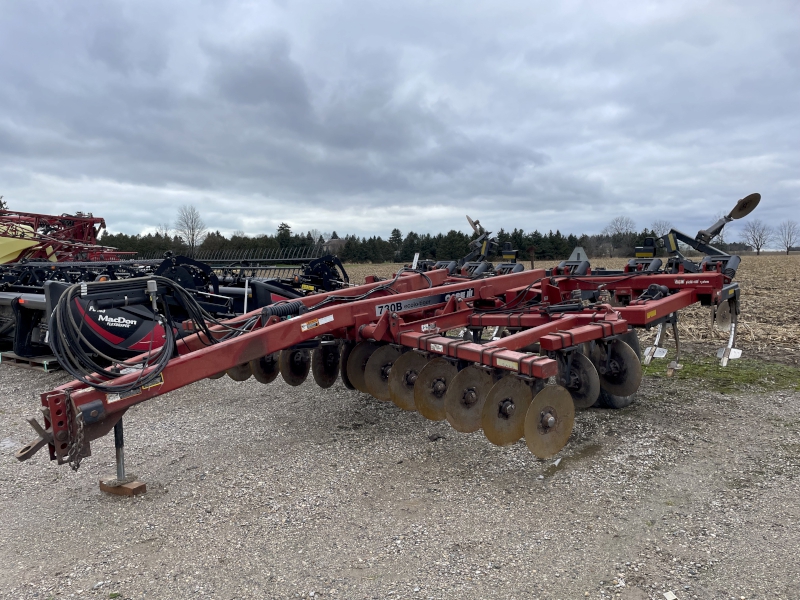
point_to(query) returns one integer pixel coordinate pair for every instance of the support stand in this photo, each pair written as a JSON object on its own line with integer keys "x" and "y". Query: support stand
{"x": 122, "y": 485}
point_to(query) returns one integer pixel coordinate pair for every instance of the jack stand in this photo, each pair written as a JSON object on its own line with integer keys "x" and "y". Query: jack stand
{"x": 121, "y": 485}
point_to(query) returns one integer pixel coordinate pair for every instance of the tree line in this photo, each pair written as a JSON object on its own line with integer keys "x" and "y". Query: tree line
{"x": 190, "y": 236}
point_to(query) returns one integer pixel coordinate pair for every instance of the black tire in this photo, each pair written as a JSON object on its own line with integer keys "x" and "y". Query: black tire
{"x": 606, "y": 400}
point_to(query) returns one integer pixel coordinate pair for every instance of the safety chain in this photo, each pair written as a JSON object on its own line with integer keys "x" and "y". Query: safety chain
{"x": 75, "y": 434}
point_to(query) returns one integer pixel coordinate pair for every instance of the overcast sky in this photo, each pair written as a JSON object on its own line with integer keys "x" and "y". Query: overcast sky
{"x": 361, "y": 116}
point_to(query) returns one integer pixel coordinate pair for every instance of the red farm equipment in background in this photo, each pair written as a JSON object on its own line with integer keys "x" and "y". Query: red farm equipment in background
{"x": 65, "y": 238}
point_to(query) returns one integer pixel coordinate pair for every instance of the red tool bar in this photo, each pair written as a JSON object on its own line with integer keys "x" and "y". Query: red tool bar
{"x": 533, "y": 335}
{"x": 531, "y": 365}
{"x": 580, "y": 335}
{"x": 704, "y": 283}
{"x": 652, "y": 310}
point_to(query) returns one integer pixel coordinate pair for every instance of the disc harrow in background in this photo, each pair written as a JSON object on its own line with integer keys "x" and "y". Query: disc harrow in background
{"x": 357, "y": 362}
{"x": 325, "y": 365}
{"x": 431, "y": 387}
{"x": 620, "y": 372}
{"x": 465, "y": 398}
{"x": 266, "y": 368}
{"x": 295, "y": 365}
{"x": 503, "y": 418}
{"x": 376, "y": 373}
{"x": 549, "y": 421}
{"x": 403, "y": 377}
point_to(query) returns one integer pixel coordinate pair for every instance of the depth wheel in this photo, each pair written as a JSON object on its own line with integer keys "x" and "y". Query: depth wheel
{"x": 402, "y": 378}
{"x": 549, "y": 421}
{"x": 295, "y": 365}
{"x": 465, "y": 398}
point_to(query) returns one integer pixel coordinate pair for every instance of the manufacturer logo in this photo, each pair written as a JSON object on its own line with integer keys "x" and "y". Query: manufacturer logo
{"x": 116, "y": 321}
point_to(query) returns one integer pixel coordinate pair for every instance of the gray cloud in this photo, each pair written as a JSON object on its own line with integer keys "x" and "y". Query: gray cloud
{"x": 365, "y": 116}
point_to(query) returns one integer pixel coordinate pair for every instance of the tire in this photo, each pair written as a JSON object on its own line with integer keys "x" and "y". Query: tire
{"x": 606, "y": 400}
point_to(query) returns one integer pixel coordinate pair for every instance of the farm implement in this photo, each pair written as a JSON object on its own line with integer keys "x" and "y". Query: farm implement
{"x": 511, "y": 352}
{"x": 123, "y": 331}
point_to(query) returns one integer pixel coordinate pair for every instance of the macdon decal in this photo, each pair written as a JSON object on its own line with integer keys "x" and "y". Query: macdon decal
{"x": 417, "y": 303}
{"x": 116, "y": 321}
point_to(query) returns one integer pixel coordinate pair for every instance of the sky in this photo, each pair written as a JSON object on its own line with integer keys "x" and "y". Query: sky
{"x": 362, "y": 116}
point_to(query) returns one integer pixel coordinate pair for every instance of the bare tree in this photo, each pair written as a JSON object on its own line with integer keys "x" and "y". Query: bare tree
{"x": 164, "y": 230}
{"x": 620, "y": 226}
{"x": 661, "y": 227}
{"x": 757, "y": 234}
{"x": 3, "y": 204}
{"x": 788, "y": 234}
{"x": 190, "y": 226}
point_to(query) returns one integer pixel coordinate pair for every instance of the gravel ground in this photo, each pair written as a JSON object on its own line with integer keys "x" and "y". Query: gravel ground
{"x": 280, "y": 492}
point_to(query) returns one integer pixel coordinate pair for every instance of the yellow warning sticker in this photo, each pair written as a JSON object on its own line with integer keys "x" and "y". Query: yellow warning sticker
{"x": 651, "y": 314}
{"x": 305, "y": 286}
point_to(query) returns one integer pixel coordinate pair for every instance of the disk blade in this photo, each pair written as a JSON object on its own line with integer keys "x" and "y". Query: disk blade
{"x": 217, "y": 375}
{"x": 266, "y": 368}
{"x": 431, "y": 387}
{"x": 722, "y": 317}
{"x": 583, "y": 382}
{"x": 357, "y": 362}
{"x": 325, "y": 365}
{"x": 377, "y": 370}
{"x": 402, "y": 378}
{"x": 465, "y": 398}
{"x": 745, "y": 206}
{"x": 295, "y": 365}
{"x": 503, "y": 418}
{"x": 347, "y": 348}
{"x": 621, "y": 375}
{"x": 240, "y": 372}
{"x": 549, "y": 421}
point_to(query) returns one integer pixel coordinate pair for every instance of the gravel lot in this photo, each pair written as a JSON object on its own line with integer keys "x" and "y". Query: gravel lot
{"x": 280, "y": 492}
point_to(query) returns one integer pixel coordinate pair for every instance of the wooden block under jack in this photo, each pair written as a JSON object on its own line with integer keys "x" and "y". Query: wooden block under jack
{"x": 130, "y": 488}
